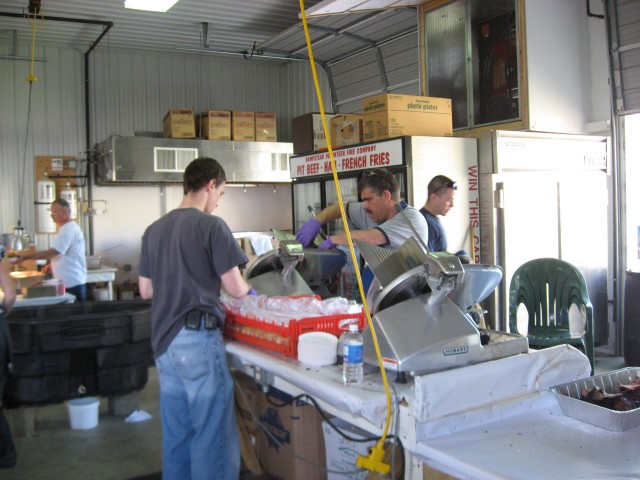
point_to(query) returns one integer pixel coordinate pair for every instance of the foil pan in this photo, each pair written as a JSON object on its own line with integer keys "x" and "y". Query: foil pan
{"x": 568, "y": 397}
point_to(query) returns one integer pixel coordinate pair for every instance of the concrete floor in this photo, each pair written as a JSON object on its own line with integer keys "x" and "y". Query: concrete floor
{"x": 115, "y": 450}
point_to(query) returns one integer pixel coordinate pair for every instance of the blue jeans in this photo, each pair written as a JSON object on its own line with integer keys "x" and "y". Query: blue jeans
{"x": 80, "y": 291}
{"x": 199, "y": 431}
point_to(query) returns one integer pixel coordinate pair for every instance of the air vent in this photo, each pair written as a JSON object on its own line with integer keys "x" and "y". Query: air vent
{"x": 172, "y": 159}
{"x": 151, "y": 160}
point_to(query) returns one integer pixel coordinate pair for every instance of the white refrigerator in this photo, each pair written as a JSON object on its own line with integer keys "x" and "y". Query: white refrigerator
{"x": 545, "y": 195}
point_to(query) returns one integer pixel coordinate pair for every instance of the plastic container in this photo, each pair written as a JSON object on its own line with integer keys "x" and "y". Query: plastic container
{"x": 284, "y": 338}
{"x": 317, "y": 349}
{"x": 568, "y": 397}
{"x": 101, "y": 294}
{"x": 352, "y": 356}
{"x": 83, "y": 413}
{"x": 94, "y": 262}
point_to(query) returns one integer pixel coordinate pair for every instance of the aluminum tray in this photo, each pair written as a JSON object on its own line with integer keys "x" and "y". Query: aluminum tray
{"x": 568, "y": 397}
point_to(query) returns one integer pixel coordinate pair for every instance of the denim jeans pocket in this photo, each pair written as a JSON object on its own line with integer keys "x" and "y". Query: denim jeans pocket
{"x": 190, "y": 361}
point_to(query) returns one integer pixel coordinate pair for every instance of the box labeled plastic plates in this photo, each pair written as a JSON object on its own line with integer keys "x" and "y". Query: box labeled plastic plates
{"x": 568, "y": 397}
{"x": 283, "y": 337}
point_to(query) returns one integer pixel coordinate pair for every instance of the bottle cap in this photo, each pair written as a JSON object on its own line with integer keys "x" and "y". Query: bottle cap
{"x": 353, "y": 327}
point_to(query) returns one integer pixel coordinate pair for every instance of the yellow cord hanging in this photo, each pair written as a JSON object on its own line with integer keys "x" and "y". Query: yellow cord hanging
{"x": 375, "y": 460}
{"x": 31, "y": 77}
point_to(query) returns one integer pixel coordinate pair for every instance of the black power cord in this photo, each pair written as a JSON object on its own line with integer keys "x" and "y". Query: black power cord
{"x": 311, "y": 400}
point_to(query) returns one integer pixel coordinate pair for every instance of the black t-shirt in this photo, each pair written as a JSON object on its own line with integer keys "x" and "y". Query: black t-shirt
{"x": 185, "y": 253}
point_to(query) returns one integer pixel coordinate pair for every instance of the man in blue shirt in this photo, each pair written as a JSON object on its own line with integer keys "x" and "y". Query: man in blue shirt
{"x": 440, "y": 194}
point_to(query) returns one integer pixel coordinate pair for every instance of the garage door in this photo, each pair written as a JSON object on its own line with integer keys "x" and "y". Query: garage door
{"x": 623, "y": 18}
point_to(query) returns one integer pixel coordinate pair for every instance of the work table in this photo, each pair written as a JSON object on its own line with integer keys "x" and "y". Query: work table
{"x": 493, "y": 420}
{"x": 21, "y": 301}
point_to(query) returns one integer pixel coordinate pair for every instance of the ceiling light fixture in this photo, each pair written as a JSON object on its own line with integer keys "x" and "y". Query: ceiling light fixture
{"x": 150, "y": 5}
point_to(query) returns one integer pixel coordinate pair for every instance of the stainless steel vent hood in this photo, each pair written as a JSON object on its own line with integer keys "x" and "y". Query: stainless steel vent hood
{"x": 150, "y": 160}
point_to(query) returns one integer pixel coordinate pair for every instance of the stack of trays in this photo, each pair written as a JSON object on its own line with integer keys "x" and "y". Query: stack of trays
{"x": 317, "y": 349}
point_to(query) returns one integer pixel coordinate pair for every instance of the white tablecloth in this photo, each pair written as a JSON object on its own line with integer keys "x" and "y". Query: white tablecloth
{"x": 537, "y": 443}
{"x": 494, "y": 420}
{"x": 41, "y": 301}
{"x": 104, "y": 274}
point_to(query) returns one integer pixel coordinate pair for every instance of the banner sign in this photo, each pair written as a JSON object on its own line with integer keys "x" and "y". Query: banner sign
{"x": 357, "y": 157}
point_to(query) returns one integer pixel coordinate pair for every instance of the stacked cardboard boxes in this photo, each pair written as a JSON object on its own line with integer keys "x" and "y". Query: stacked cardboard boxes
{"x": 266, "y": 130}
{"x": 243, "y": 126}
{"x": 215, "y": 125}
{"x": 220, "y": 125}
{"x": 179, "y": 123}
{"x": 393, "y": 115}
{"x": 346, "y": 130}
{"x": 308, "y": 132}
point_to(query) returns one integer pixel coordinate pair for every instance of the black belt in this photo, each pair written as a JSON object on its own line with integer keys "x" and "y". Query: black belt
{"x": 197, "y": 319}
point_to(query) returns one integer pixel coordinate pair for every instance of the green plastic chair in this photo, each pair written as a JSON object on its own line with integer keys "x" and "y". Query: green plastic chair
{"x": 548, "y": 287}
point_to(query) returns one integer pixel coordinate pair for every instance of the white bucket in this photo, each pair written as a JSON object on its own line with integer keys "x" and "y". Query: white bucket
{"x": 101, "y": 294}
{"x": 83, "y": 413}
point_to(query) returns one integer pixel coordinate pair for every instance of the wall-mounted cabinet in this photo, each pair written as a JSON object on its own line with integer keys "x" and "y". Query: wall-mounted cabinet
{"x": 472, "y": 58}
{"x": 516, "y": 64}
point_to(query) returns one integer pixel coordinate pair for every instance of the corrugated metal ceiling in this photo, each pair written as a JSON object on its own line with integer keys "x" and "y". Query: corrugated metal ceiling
{"x": 233, "y": 26}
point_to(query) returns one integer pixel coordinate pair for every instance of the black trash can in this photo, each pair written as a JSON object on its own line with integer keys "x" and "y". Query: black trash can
{"x": 631, "y": 343}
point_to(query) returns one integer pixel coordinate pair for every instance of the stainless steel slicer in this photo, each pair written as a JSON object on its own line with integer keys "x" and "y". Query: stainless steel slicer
{"x": 292, "y": 270}
{"x": 420, "y": 305}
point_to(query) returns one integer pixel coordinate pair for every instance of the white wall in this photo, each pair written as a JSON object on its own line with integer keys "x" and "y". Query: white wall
{"x": 123, "y": 213}
{"x": 566, "y": 66}
{"x": 130, "y": 92}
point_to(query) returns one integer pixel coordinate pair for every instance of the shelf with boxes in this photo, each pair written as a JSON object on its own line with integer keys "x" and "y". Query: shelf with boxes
{"x": 382, "y": 116}
{"x": 220, "y": 125}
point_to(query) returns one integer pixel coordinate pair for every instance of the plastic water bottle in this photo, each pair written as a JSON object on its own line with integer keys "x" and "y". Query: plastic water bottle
{"x": 353, "y": 355}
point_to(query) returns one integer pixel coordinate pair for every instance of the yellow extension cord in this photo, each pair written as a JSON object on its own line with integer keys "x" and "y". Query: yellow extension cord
{"x": 34, "y": 23}
{"x": 374, "y": 461}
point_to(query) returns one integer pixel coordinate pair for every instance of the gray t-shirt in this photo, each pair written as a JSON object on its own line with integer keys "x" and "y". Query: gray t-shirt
{"x": 185, "y": 253}
{"x": 396, "y": 231}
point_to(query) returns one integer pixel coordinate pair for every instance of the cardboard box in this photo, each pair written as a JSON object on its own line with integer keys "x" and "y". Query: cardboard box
{"x": 266, "y": 129}
{"x": 342, "y": 454}
{"x": 215, "y": 125}
{"x": 308, "y": 134}
{"x": 179, "y": 123}
{"x": 37, "y": 291}
{"x": 297, "y": 426}
{"x": 247, "y": 395}
{"x": 346, "y": 130}
{"x": 243, "y": 126}
{"x": 392, "y": 115}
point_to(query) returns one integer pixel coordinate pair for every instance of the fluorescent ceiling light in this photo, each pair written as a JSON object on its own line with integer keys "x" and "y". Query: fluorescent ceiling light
{"x": 151, "y": 5}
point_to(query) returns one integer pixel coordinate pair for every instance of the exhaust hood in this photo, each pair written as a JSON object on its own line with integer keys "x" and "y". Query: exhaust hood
{"x": 150, "y": 160}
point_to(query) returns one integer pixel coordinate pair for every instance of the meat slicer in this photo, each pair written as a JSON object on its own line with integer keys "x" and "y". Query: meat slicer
{"x": 292, "y": 270}
{"x": 420, "y": 306}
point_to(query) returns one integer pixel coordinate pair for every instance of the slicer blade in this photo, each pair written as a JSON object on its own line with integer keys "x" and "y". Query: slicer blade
{"x": 387, "y": 265}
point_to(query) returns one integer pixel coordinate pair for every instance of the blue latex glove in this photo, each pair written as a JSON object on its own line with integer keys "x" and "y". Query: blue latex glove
{"x": 327, "y": 244}
{"x": 252, "y": 291}
{"x": 307, "y": 233}
{"x": 463, "y": 256}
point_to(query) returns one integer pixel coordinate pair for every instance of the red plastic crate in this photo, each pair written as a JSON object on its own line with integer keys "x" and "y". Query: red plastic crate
{"x": 284, "y": 339}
